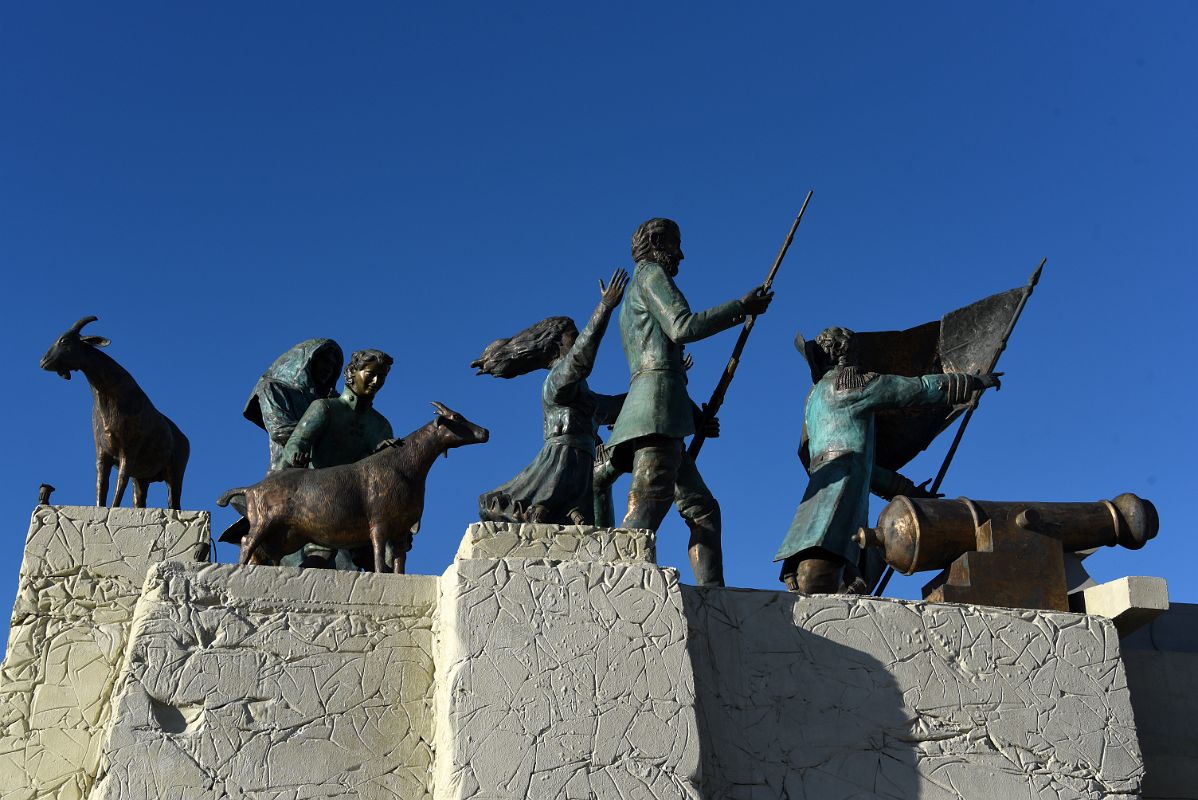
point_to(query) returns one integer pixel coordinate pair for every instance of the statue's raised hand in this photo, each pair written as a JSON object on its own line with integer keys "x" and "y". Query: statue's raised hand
{"x": 991, "y": 380}
{"x": 613, "y": 292}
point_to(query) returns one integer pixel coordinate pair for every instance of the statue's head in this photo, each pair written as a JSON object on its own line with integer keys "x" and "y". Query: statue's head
{"x": 367, "y": 372}
{"x": 72, "y": 350}
{"x": 838, "y": 347}
{"x": 535, "y": 347}
{"x": 658, "y": 240}
{"x": 324, "y": 366}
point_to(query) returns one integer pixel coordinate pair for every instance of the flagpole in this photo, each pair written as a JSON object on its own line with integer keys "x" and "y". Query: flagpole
{"x": 973, "y": 405}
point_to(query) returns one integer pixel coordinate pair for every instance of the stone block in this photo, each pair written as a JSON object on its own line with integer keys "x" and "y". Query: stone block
{"x": 1130, "y": 603}
{"x": 558, "y": 543}
{"x": 560, "y": 679}
{"x": 80, "y": 578}
{"x": 1166, "y": 704}
{"x": 272, "y": 682}
{"x": 835, "y": 697}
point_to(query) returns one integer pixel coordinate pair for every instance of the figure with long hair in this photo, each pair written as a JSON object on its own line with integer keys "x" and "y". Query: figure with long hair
{"x": 556, "y": 487}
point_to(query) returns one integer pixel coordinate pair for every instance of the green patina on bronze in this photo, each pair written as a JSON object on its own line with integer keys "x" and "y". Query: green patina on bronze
{"x": 342, "y": 430}
{"x": 655, "y": 323}
{"x": 557, "y": 486}
{"x": 303, "y": 374}
{"x": 840, "y": 428}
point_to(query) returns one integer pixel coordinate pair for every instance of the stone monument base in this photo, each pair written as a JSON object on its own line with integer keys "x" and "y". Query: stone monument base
{"x": 562, "y": 662}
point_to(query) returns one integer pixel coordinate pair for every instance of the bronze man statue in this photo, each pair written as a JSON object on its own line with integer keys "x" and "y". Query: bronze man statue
{"x": 655, "y": 323}
{"x": 839, "y": 424}
{"x": 556, "y": 487}
{"x": 342, "y": 430}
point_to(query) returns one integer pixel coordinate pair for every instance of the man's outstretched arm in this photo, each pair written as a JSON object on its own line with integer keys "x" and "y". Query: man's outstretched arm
{"x": 673, "y": 313}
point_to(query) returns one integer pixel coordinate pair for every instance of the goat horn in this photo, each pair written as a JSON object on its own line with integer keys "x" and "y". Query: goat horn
{"x": 78, "y": 326}
{"x": 441, "y": 409}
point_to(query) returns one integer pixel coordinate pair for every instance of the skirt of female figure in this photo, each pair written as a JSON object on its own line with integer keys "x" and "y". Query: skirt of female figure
{"x": 555, "y": 488}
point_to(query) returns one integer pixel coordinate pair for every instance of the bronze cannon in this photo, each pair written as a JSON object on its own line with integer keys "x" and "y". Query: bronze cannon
{"x": 1003, "y": 553}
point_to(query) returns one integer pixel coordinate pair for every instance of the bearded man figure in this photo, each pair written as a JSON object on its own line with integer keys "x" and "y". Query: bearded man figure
{"x": 839, "y": 424}
{"x": 647, "y": 440}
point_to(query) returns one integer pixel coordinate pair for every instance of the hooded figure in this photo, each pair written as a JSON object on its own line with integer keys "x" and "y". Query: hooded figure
{"x": 305, "y": 373}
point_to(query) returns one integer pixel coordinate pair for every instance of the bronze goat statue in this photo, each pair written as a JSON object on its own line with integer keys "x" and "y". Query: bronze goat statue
{"x": 144, "y": 445}
{"x": 378, "y": 500}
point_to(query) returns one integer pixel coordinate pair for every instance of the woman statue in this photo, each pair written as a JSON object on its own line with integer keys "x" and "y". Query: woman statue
{"x": 556, "y": 486}
{"x": 305, "y": 373}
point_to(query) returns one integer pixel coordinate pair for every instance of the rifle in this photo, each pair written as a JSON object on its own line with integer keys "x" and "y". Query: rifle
{"x": 721, "y": 388}
{"x": 973, "y": 405}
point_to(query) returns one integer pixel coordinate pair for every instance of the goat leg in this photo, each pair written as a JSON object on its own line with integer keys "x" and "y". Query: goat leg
{"x": 103, "y": 470}
{"x": 122, "y": 480}
{"x": 400, "y": 553}
{"x": 140, "y": 489}
{"x": 378, "y": 539}
{"x": 249, "y": 543}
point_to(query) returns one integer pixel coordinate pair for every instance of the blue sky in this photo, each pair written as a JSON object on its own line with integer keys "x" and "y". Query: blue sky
{"x": 217, "y": 182}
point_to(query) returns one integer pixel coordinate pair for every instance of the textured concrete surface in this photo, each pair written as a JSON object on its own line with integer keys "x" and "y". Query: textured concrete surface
{"x": 1162, "y": 664}
{"x": 82, "y": 573}
{"x": 827, "y": 697}
{"x": 554, "y": 662}
{"x": 558, "y": 543}
{"x": 271, "y": 682}
{"x": 564, "y": 679}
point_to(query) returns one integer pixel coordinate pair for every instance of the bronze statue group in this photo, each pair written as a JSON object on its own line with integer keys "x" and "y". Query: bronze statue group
{"x": 858, "y": 430}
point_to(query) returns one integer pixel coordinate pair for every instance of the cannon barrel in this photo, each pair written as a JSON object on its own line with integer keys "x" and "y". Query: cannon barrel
{"x": 923, "y": 534}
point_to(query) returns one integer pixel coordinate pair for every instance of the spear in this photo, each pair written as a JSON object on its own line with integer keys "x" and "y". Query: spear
{"x": 973, "y": 404}
{"x": 721, "y": 388}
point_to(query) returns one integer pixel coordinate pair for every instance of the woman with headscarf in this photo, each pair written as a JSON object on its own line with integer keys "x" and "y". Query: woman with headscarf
{"x": 305, "y": 373}
{"x": 557, "y": 486}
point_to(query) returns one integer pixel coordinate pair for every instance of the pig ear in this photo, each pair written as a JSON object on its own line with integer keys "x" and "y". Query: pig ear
{"x": 95, "y": 341}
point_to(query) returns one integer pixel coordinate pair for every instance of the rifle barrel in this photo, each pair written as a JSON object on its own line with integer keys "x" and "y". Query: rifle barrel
{"x": 721, "y": 389}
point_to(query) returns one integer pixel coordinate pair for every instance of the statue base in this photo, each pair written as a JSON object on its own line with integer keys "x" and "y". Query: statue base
{"x": 547, "y": 662}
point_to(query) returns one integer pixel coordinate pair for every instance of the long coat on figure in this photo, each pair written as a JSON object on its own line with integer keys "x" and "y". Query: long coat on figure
{"x": 839, "y": 421}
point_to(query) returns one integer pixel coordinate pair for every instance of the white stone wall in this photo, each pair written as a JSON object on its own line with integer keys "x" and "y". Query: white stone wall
{"x": 558, "y": 543}
{"x": 279, "y": 683}
{"x": 82, "y": 574}
{"x": 564, "y": 679}
{"x": 548, "y": 662}
{"x": 830, "y": 697}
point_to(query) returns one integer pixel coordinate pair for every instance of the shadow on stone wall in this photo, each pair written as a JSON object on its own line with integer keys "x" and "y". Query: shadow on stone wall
{"x": 784, "y": 712}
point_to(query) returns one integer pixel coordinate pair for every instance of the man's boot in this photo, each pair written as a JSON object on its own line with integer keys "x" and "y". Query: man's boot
{"x": 706, "y": 550}
{"x": 812, "y": 575}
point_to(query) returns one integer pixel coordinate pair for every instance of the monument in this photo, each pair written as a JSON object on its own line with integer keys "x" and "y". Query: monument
{"x": 557, "y": 659}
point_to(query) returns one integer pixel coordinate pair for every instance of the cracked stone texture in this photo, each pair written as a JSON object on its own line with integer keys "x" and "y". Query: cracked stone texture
{"x": 272, "y": 682}
{"x": 564, "y": 680}
{"x": 828, "y": 697}
{"x": 82, "y": 573}
{"x": 558, "y": 543}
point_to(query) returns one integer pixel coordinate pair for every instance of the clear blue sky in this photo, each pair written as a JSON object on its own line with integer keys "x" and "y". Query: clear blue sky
{"x": 219, "y": 181}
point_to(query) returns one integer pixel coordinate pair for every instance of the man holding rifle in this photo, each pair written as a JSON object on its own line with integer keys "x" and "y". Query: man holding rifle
{"x": 647, "y": 440}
